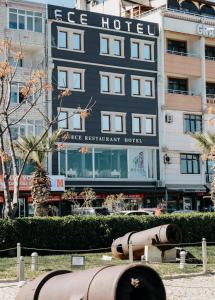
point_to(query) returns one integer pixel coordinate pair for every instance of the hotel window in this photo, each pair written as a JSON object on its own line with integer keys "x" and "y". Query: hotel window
{"x": 71, "y": 39}
{"x": 14, "y": 62}
{"x": 25, "y": 20}
{"x": 71, "y": 120}
{"x": 112, "y": 83}
{"x": 62, "y": 79}
{"x": 63, "y": 120}
{"x": 210, "y": 52}
{"x": 192, "y": 123}
{"x": 72, "y": 79}
{"x": 177, "y": 47}
{"x": 142, "y": 50}
{"x": 113, "y": 122}
{"x": 190, "y": 163}
{"x": 178, "y": 86}
{"x": 62, "y": 39}
{"x": 111, "y": 45}
{"x": 142, "y": 86}
{"x": 143, "y": 124}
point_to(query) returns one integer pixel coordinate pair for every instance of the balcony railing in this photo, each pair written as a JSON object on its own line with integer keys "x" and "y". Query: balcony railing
{"x": 181, "y": 53}
{"x": 210, "y": 98}
{"x": 170, "y": 91}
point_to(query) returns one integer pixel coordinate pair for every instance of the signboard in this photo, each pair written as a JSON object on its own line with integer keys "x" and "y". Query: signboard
{"x": 204, "y": 30}
{"x": 90, "y": 19}
{"x": 57, "y": 183}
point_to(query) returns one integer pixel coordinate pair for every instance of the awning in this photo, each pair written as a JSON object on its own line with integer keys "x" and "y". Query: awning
{"x": 188, "y": 188}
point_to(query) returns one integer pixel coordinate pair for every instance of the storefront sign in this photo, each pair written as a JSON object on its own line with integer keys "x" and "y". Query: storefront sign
{"x": 205, "y": 30}
{"x": 85, "y": 18}
{"x": 57, "y": 183}
{"x": 107, "y": 139}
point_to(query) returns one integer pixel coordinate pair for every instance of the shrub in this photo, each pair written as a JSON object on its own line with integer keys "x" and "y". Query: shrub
{"x": 91, "y": 232}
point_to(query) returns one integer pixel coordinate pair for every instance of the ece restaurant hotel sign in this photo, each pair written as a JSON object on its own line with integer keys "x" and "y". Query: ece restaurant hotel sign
{"x": 90, "y": 19}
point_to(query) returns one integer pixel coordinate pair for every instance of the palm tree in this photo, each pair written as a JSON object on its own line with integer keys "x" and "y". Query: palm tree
{"x": 207, "y": 144}
{"x": 40, "y": 183}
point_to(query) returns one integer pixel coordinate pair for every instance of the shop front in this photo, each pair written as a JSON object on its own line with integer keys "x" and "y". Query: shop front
{"x": 25, "y": 206}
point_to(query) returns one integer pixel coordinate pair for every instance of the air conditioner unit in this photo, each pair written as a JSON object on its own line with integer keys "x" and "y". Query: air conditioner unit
{"x": 168, "y": 118}
{"x": 166, "y": 159}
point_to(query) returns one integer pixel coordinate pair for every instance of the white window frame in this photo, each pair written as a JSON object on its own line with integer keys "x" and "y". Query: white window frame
{"x": 141, "y": 44}
{"x": 111, "y": 39}
{"x": 112, "y": 123}
{"x": 70, "y": 112}
{"x": 70, "y": 32}
{"x": 25, "y": 15}
{"x": 143, "y": 118}
{"x": 25, "y": 124}
{"x": 142, "y": 86}
{"x": 70, "y": 72}
{"x": 111, "y": 77}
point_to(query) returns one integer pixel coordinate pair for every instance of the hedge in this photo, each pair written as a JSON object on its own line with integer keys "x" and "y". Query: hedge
{"x": 73, "y": 233}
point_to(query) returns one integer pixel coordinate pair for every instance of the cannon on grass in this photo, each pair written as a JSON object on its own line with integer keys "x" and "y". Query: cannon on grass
{"x": 127, "y": 282}
{"x": 163, "y": 237}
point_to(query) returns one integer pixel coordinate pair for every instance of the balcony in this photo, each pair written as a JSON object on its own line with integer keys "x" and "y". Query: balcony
{"x": 27, "y": 39}
{"x": 210, "y": 99}
{"x": 183, "y": 100}
{"x": 182, "y": 64}
{"x": 210, "y": 69}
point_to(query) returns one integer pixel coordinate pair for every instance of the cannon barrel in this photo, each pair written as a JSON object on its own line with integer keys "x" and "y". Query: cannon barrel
{"x": 128, "y": 282}
{"x": 165, "y": 234}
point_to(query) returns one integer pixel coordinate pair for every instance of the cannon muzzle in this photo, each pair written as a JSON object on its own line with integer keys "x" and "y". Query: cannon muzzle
{"x": 162, "y": 237}
{"x": 130, "y": 282}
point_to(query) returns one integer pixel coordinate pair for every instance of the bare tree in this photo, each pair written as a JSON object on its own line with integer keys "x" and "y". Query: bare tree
{"x": 31, "y": 99}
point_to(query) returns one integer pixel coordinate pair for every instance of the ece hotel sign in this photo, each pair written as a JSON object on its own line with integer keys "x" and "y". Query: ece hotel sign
{"x": 89, "y": 19}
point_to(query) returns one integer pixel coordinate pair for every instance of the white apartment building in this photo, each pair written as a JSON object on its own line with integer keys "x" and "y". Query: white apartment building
{"x": 186, "y": 85}
{"x": 23, "y": 24}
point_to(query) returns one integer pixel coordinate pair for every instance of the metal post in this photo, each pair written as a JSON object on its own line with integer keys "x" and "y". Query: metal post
{"x": 34, "y": 261}
{"x": 182, "y": 259}
{"x": 131, "y": 258}
{"x": 18, "y": 254}
{"x": 21, "y": 273}
{"x": 204, "y": 255}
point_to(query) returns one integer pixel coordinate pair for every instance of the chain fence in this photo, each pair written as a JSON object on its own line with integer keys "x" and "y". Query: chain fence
{"x": 189, "y": 258}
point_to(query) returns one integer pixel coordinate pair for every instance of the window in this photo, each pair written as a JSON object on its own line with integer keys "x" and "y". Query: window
{"x": 192, "y": 123}
{"x": 63, "y": 120}
{"x": 143, "y": 124}
{"x": 112, "y": 83}
{"x": 209, "y": 52}
{"x": 177, "y": 47}
{"x": 62, "y": 39}
{"x": 178, "y": 86}
{"x": 210, "y": 89}
{"x": 111, "y": 45}
{"x": 62, "y": 79}
{"x": 108, "y": 163}
{"x": 142, "y": 86}
{"x": 190, "y": 164}
{"x": 113, "y": 122}
{"x": 72, "y": 79}
{"x": 16, "y": 94}
{"x": 142, "y": 50}
{"x": 25, "y": 20}
{"x": 26, "y": 128}
{"x": 14, "y": 62}
{"x": 71, "y": 39}
{"x": 71, "y": 120}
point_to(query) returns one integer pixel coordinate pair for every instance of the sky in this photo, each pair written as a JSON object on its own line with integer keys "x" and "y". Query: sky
{"x": 67, "y": 3}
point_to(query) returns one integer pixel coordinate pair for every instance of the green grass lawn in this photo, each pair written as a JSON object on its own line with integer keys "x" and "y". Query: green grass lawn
{"x": 47, "y": 263}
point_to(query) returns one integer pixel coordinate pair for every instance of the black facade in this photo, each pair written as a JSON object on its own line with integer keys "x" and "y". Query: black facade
{"x": 95, "y": 26}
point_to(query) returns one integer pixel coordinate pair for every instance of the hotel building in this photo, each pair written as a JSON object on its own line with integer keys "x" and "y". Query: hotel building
{"x": 113, "y": 61}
